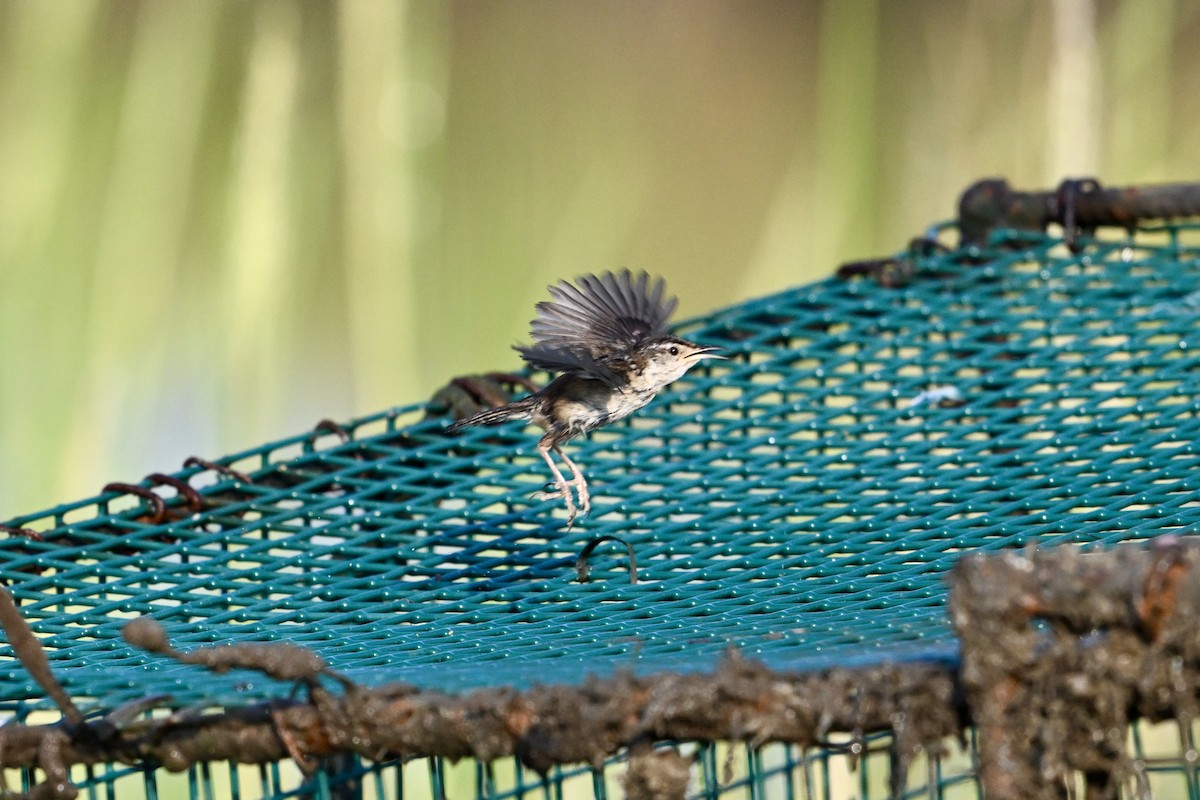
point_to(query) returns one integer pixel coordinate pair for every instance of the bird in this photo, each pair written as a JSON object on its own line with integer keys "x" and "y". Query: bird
{"x": 607, "y": 336}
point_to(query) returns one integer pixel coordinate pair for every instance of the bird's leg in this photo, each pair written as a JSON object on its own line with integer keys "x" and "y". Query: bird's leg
{"x": 564, "y": 488}
{"x": 578, "y": 481}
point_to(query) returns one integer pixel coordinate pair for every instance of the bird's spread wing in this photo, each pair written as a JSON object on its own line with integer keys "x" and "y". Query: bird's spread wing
{"x": 576, "y": 362}
{"x": 589, "y": 325}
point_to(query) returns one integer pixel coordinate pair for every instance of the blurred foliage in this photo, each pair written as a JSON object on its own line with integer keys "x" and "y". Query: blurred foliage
{"x": 221, "y": 221}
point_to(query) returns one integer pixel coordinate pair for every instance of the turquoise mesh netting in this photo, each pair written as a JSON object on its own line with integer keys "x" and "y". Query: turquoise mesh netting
{"x": 801, "y": 502}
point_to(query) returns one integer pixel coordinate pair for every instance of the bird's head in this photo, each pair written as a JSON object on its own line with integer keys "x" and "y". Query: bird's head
{"x": 663, "y": 360}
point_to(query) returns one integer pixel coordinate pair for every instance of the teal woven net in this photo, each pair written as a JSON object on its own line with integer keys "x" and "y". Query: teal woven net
{"x": 801, "y": 502}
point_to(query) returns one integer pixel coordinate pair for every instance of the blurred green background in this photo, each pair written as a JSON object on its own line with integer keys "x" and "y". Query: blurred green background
{"x": 221, "y": 221}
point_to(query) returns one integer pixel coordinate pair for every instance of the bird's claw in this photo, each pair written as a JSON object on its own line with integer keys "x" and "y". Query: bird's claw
{"x": 585, "y": 498}
{"x": 554, "y": 491}
{"x": 551, "y": 491}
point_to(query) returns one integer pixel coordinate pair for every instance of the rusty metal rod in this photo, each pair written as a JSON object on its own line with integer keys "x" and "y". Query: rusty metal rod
{"x": 1076, "y": 204}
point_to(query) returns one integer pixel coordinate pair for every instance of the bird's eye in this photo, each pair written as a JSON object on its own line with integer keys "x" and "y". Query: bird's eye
{"x": 673, "y": 350}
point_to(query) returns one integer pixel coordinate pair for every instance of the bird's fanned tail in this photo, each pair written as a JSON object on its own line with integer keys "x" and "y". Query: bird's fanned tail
{"x": 521, "y": 409}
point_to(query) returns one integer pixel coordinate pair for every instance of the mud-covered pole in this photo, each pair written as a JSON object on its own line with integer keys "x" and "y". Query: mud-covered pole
{"x": 1063, "y": 650}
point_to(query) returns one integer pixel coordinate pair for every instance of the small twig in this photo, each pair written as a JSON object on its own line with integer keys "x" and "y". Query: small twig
{"x": 127, "y": 712}
{"x": 280, "y": 660}
{"x": 581, "y": 562}
{"x": 32, "y": 656}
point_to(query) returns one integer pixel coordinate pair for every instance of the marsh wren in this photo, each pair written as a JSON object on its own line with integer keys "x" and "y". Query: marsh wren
{"x": 608, "y": 337}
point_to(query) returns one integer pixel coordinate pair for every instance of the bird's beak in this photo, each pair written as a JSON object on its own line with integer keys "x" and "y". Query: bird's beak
{"x": 701, "y": 353}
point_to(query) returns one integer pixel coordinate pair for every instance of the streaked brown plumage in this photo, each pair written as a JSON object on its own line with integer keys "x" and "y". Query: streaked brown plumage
{"x": 608, "y": 337}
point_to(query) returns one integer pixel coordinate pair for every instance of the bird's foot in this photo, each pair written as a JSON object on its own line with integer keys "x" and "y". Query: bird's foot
{"x": 563, "y": 491}
{"x": 585, "y": 498}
